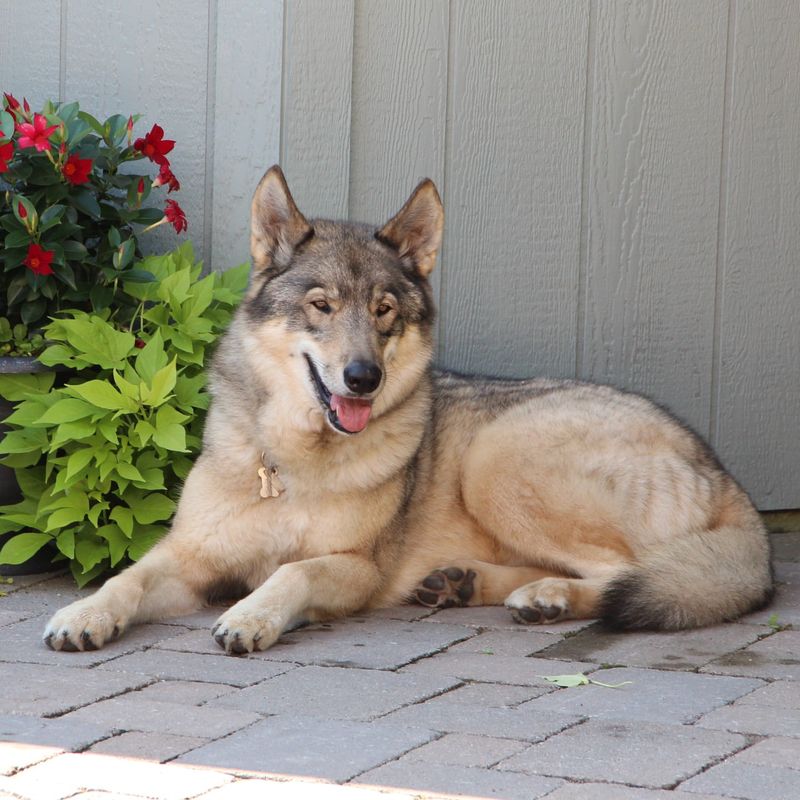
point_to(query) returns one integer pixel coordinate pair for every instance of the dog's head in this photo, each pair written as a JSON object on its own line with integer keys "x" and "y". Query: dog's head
{"x": 343, "y": 311}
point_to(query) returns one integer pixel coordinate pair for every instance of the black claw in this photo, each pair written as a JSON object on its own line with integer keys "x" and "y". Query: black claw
{"x": 219, "y": 638}
{"x": 455, "y": 573}
{"x": 115, "y": 632}
{"x": 237, "y": 647}
{"x": 48, "y": 640}
{"x": 528, "y": 614}
{"x": 69, "y": 647}
{"x": 86, "y": 639}
{"x": 427, "y": 598}
{"x": 435, "y": 581}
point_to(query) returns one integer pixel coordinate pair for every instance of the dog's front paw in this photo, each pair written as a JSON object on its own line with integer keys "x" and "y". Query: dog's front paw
{"x": 239, "y": 632}
{"x": 81, "y": 626}
{"x": 541, "y": 602}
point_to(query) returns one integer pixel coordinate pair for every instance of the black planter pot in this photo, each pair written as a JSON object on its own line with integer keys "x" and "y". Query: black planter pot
{"x": 9, "y": 490}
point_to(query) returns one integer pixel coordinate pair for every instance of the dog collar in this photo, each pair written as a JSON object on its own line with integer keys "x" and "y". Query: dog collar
{"x": 271, "y": 484}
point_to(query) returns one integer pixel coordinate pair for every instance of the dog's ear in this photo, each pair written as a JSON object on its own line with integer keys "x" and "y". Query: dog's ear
{"x": 415, "y": 231}
{"x": 276, "y": 225}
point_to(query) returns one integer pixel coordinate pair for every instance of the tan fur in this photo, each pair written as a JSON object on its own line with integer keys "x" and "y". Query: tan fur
{"x": 558, "y": 498}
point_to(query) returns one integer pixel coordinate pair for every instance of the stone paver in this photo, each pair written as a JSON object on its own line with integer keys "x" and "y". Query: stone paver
{"x": 195, "y": 667}
{"x": 368, "y": 643}
{"x": 334, "y": 749}
{"x": 335, "y": 693}
{"x": 639, "y": 753}
{"x": 499, "y": 618}
{"x": 41, "y": 690}
{"x": 152, "y": 746}
{"x": 761, "y": 720}
{"x": 23, "y": 642}
{"x": 130, "y": 713}
{"x": 516, "y": 723}
{"x": 682, "y": 650}
{"x": 51, "y": 732}
{"x": 403, "y": 704}
{"x": 747, "y": 781}
{"x": 651, "y": 696}
{"x": 466, "y": 750}
{"x": 777, "y": 657}
{"x": 497, "y": 669}
{"x": 450, "y": 780}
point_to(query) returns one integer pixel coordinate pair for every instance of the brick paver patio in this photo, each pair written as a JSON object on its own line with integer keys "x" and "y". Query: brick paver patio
{"x": 404, "y": 703}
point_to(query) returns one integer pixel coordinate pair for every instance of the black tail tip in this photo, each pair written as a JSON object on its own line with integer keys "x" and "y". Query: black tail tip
{"x": 623, "y": 607}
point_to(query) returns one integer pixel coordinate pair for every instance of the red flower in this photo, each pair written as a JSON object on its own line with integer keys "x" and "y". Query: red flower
{"x": 175, "y": 215}
{"x": 6, "y": 152}
{"x": 21, "y": 210}
{"x": 166, "y": 178}
{"x": 76, "y": 170}
{"x": 139, "y": 344}
{"x": 37, "y": 134}
{"x": 12, "y": 104}
{"x": 38, "y": 260}
{"x": 140, "y": 186}
{"x": 155, "y": 146}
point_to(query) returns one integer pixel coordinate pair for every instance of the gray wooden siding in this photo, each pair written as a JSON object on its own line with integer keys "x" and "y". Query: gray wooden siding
{"x": 620, "y": 177}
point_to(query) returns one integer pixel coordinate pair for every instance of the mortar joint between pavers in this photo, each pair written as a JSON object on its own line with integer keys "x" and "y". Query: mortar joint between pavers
{"x": 437, "y": 735}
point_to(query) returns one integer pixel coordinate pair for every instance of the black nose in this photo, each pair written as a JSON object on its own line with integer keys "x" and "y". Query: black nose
{"x": 362, "y": 377}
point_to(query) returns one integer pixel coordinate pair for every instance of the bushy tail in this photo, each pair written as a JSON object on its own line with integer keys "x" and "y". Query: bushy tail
{"x": 698, "y": 579}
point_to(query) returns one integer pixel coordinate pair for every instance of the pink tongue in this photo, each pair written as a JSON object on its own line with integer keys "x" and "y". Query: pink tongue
{"x": 353, "y": 414}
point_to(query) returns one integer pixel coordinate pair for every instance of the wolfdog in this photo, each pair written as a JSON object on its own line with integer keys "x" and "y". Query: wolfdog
{"x": 341, "y": 472}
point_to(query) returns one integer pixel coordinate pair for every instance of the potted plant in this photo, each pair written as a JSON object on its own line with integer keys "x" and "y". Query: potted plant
{"x": 99, "y": 459}
{"x": 72, "y": 208}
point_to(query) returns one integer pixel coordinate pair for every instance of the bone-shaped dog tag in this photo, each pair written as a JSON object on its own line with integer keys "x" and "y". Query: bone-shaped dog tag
{"x": 271, "y": 484}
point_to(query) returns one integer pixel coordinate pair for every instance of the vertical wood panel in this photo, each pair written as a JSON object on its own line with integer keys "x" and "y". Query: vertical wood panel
{"x": 513, "y": 187}
{"x": 315, "y": 135}
{"x": 30, "y": 49}
{"x": 653, "y": 200}
{"x": 399, "y": 105}
{"x": 151, "y": 58}
{"x": 246, "y": 118}
{"x": 758, "y": 424}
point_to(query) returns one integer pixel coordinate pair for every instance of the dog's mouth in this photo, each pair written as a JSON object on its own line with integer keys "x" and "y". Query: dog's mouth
{"x": 345, "y": 414}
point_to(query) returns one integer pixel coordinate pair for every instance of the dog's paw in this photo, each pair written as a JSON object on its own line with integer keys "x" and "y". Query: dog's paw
{"x": 240, "y": 632}
{"x": 80, "y": 626}
{"x": 445, "y": 588}
{"x": 541, "y": 602}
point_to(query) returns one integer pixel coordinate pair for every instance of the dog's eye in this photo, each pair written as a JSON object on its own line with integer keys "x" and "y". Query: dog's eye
{"x": 383, "y": 309}
{"x": 321, "y": 305}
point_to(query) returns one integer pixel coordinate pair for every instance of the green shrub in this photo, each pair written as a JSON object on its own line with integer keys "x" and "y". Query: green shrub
{"x": 100, "y": 458}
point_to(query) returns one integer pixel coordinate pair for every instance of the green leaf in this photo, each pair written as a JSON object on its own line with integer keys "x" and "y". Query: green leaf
{"x": 24, "y": 441}
{"x": 579, "y": 679}
{"x": 17, "y": 239}
{"x": 21, "y": 547}
{"x": 65, "y": 541}
{"x": 78, "y": 460}
{"x": 151, "y": 358}
{"x": 67, "y": 410}
{"x": 102, "y": 395}
{"x": 93, "y": 123}
{"x": 19, "y": 386}
{"x": 82, "y": 578}
{"x": 85, "y": 201}
{"x": 90, "y": 552}
{"x": 169, "y": 434}
{"x": 117, "y": 542}
{"x": 162, "y": 384}
{"x": 63, "y": 517}
{"x": 144, "y": 540}
{"x": 567, "y": 681}
{"x": 124, "y": 518}
{"x": 128, "y": 471}
{"x": 72, "y": 431}
{"x": 137, "y": 276}
{"x": 152, "y": 508}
